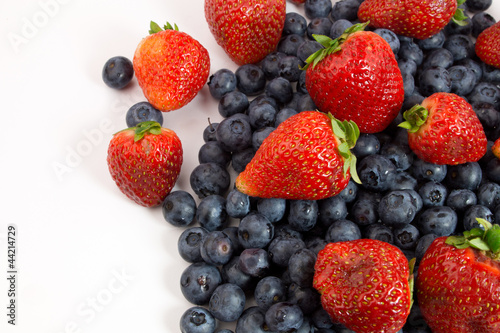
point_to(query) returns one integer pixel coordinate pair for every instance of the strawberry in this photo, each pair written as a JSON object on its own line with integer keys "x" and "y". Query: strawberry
{"x": 171, "y": 67}
{"x": 496, "y": 148}
{"x": 306, "y": 157}
{"x": 145, "y": 161}
{"x": 419, "y": 19}
{"x": 458, "y": 282}
{"x": 444, "y": 129}
{"x": 488, "y": 45}
{"x": 356, "y": 77}
{"x": 365, "y": 284}
{"x": 247, "y": 30}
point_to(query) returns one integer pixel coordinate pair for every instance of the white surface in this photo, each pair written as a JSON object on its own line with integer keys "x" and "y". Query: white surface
{"x": 89, "y": 259}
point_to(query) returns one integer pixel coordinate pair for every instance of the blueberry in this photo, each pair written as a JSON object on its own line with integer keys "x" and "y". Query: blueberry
{"x": 270, "y": 64}
{"x": 259, "y": 135}
{"x": 492, "y": 170}
{"x": 118, "y": 72}
{"x": 306, "y": 103}
{"x": 255, "y": 231}
{"x": 460, "y": 199}
{"x": 487, "y": 93}
{"x": 367, "y": 144}
{"x": 408, "y": 84}
{"x": 480, "y": 22}
{"x": 318, "y": 26}
{"x": 478, "y": 5}
{"x": 488, "y": 194}
{"x": 237, "y": 204}
{"x": 338, "y": 27}
{"x": 289, "y": 68}
{"x": 232, "y": 103}
{"x": 221, "y": 82}
{"x": 197, "y": 319}
{"x": 252, "y": 320}
{"x": 489, "y": 118}
{"x": 433, "y": 80}
{"x": 317, "y": 8}
{"x": 343, "y": 230}
{"x": 376, "y": 172}
{"x": 262, "y": 115}
{"x": 143, "y": 111}
{"x": 269, "y": 290}
{"x": 379, "y": 232}
{"x": 404, "y": 181}
{"x": 254, "y": 262}
{"x": 280, "y": 89}
{"x": 461, "y": 46}
{"x": 232, "y": 233}
{"x": 212, "y": 152}
{"x": 477, "y": 211}
{"x": 234, "y": 133}
{"x": 240, "y": 159}
{"x": 463, "y": 80}
{"x": 400, "y": 155}
{"x": 397, "y": 209}
{"x": 439, "y": 57}
{"x": 423, "y": 244}
{"x": 179, "y": 208}
{"x": 284, "y": 316}
{"x": 308, "y": 48}
{"x": 490, "y": 74}
{"x": 406, "y": 237}
{"x": 301, "y": 90}
{"x": 227, "y": 302}
{"x": 423, "y": 170}
{"x": 281, "y": 249}
{"x": 216, "y": 248}
{"x": 209, "y": 131}
{"x": 231, "y": 273}
{"x": 295, "y": 23}
{"x": 454, "y": 29}
{"x": 189, "y": 244}
{"x": 209, "y": 178}
{"x": 283, "y": 115}
{"x": 349, "y": 193}
{"x": 286, "y": 231}
{"x": 471, "y": 64}
{"x": 250, "y": 79}
{"x": 433, "y": 42}
{"x": 198, "y": 282}
{"x": 364, "y": 212}
{"x": 407, "y": 66}
{"x": 307, "y": 298}
{"x": 390, "y": 37}
{"x": 345, "y": 9}
{"x": 272, "y": 208}
{"x": 467, "y": 175}
{"x": 441, "y": 221}
{"x": 433, "y": 194}
{"x": 331, "y": 209}
{"x": 211, "y": 212}
{"x": 289, "y": 44}
{"x": 301, "y": 267}
{"x": 411, "y": 50}
{"x": 321, "y": 319}
{"x": 303, "y": 214}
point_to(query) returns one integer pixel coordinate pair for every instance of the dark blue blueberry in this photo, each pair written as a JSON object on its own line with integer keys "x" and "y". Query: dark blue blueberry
{"x": 289, "y": 68}
{"x": 272, "y": 208}
{"x": 472, "y": 64}
{"x": 231, "y": 273}
{"x": 237, "y": 204}
{"x": 364, "y": 212}
{"x": 317, "y": 8}
{"x": 252, "y": 320}
{"x": 489, "y": 156}
{"x": 234, "y": 133}
{"x": 251, "y": 80}
{"x": 211, "y": 212}
{"x": 411, "y": 50}
{"x": 303, "y": 214}
{"x": 262, "y": 115}
{"x": 400, "y": 155}
{"x": 423, "y": 244}
{"x": 416, "y": 199}
{"x": 269, "y": 290}
{"x": 216, "y": 248}
{"x": 321, "y": 319}
{"x": 281, "y": 249}
{"x": 349, "y": 193}
{"x": 463, "y": 80}
{"x": 342, "y": 230}
{"x": 376, "y": 172}
{"x": 301, "y": 267}
{"x": 433, "y": 42}
{"x": 406, "y": 237}
{"x": 478, "y": 5}
{"x": 408, "y": 85}
{"x": 118, "y": 72}
{"x": 433, "y": 80}
{"x": 338, "y": 27}
{"x": 331, "y": 209}
{"x": 467, "y": 175}
{"x": 461, "y": 46}
{"x": 209, "y": 131}
{"x": 300, "y": 90}
{"x": 179, "y": 208}
{"x": 433, "y": 194}
{"x": 240, "y": 159}
{"x": 198, "y": 282}
{"x": 439, "y": 57}
{"x": 221, "y": 82}
{"x": 441, "y": 221}
{"x": 488, "y": 194}
{"x": 318, "y": 26}
{"x": 232, "y": 103}
{"x": 461, "y": 199}
{"x": 480, "y": 22}
{"x": 289, "y": 44}
{"x": 404, "y": 181}
{"x": 224, "y": 331}
{"x": 283, "y": 115}
{"x": 232, "y": 233}
{"x": 209, "y": 178}
{"x": 197, "y": 319}
{"x": 379, "y": 232}
{"x": 316, "y": 243}
{"x": 397, "y": 209}
{"x": 345, "y": 9}
{"x": 412, "y": 100}
{"x": 255, "y": 231}
{"x": 143, "y": 111}
{"x": 227, "y": 302}
{"x": 407, "y": 66}
{"x": 280, "y": 89}
{"x": 489, "y": 118}
{"x": 476, "y": 211}
{"x": 295, "y": 24}
{"x": 490, "y": 74}
{"x": 189, "y": 244}
{"x": 454, "y": 29}
{"x": 254, "y": 262}
{"x": 308, "y": 48}
{"x": 212, "y": 152}
{"x": 259, "y": 135}
{"x": 390, "y": 37}
{"x": 284, "y": 317}
{"x": 270, "y": 64}
{"x": 423, "y": 170}
{"x": 286, "y": 231}
{"x": 307, "y": 298}
{"x": 306, "y": 103}
{"x": 367, "y": 144}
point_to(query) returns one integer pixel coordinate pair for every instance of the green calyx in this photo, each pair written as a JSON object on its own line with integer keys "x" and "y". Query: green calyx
{"x": 485, "y": 239}
{"x": 414, "y": 118}
{"x": 146, "y": 127}
{"x": 348, "y": 133}
{"x": 459, "y": 17}
{"x": 154, "y": 27}
{"x": 331, "y": 45}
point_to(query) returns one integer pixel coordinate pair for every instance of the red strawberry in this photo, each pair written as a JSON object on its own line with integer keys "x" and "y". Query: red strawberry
{"x": 488, "y": 45}
{"x": 171, "y": 67}
{"x": 444, "y": 129}
{"x": 496, "y": 148}
{"x": 419, "y": 19}
{"x": 458, "y": 282}
{"x": 145, "y": 162}
{"x": 365, "y": 284}
{"x": 356, "y": 77}
{"x": 247, "y": 30}
{"x": 306, "y": 157}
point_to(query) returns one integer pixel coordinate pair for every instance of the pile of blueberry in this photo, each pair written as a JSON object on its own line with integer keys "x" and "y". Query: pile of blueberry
{"x": 252, "y": 259}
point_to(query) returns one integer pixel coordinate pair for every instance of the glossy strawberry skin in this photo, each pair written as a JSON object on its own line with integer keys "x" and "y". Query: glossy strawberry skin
{"x": 419, "y": 19}
{"x": 364, "y": 285}
{"x": 145, "y": 170}
{"x": 247, "y": 30}
{"x": 459, "y": 289}
{"x": 452, "y": 133}
{"x": 362, "y": 82}
{"x": 298, "y": 160}
{"x": 169, "y": 79}
{"x": 488, "y": 45}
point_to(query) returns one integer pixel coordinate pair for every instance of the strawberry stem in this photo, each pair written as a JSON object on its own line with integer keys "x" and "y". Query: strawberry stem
{"x": 459, "y": 17}
{"x": 154, "y": 27}
{"x": 485, "y": 239}
{"x": 415, "y": 117}
{"x": 146, "y": 127}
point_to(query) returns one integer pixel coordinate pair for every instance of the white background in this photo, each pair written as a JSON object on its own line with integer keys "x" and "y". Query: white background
{"x": 89, "y": 259}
